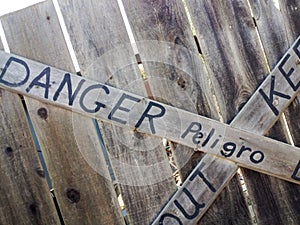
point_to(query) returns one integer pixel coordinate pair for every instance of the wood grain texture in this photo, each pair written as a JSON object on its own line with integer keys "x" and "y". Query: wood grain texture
{"x": 1, "y": 45}
{"x": 101, "y": 42}
{"x": 84, "y": 196}
{"x": 175, "y": 73}
{"x": 193, "y": 130}
{"x": 282, "y": 205}
{"x": 230, "y": 48}
{"x": 290, "y": 14}
{"x": 25, "y": 196}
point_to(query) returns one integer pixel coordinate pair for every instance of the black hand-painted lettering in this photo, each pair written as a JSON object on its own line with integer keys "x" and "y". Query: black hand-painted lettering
{"x": 229, "y": 148}
{"x": 195, "y": 203}
{"x": 201, "y": 175}
{"x": 98, "y": 104}
{"x": 161, "y": 220}
{"x": 243, "y": 149}
{"x": 216, "y": 142}
{"x": 297, "y": 169}
{"x": 269, "y": 100}
{"x": 151, "y": 117}
{"x": 254, "y": 158}
{"x": 195, "y": 128}
{"x": 208, "y": 137}
{"x": 289, "y": 73}
{"x": 119, "y": 107}
{"x": 71, "y": 95}
{"x": 295, "y": 48}
{"x": 36, "y": 82}
{"x": 5, "y": 69}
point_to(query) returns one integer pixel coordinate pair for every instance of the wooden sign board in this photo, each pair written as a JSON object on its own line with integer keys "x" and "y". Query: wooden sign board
{"x": 110, "y": 104}
{"x": 256, "y": 116}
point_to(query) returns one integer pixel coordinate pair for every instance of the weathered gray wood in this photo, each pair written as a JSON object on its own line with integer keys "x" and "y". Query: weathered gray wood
{"x": 177, "y": 76}
{"x": 25, "y": 200}
{"x": 25, "y": 196}
{"x": 172, "y": 66}
{"x": 84, "y": 195}
{"x": 223, "y": 28}
{"x": 290, "y": 14}
{"x": 189, "y": 129}
{"x": 274, "y": 200}
{"x": 141, "y": 167}
{"x": 1, "y": 45}
{"x": 216, "y": 18}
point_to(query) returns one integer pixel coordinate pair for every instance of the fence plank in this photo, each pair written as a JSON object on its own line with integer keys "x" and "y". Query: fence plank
{"x": 280, "y": 205}
{"x": 140, "y": 164}
{"x": 25, "y": 200}
{"x": 290, "y": 13}
{"x": 84, "y": 196}
{"x": 170, "y": 58}
{"x": 176, "y": 75}
{"x": 230, "y": 48}
{"x": 25, "y": 196}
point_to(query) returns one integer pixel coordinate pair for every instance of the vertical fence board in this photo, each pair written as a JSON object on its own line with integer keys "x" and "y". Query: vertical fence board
{"x": 174, "y": 70}
{"x": 291, "y": 13}
{"x": 84, "y": 196}
{"x": 232, "y": 52}
{"x": 100, "y": 40}
{"x": 276, "y": 201}
{"x": 25, "y": 196}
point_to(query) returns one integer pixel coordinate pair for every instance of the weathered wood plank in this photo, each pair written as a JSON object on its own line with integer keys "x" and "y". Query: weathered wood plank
{"x": 227, "y": 36}
{"x": 222, "y": 28}
{"x": 1, "y": 45}
{"x": 170, "y": 59}
{"x": 25, "y": 196}
{"x": 84, "y": 195}
{"x": 290, "y": 13}
{"x": 278, "y": 204}
{"x": 190, "y": 129}
{"x": 141, "y": 167}
{"x": 209, "y": 48}
{"x": 177, "y": 76}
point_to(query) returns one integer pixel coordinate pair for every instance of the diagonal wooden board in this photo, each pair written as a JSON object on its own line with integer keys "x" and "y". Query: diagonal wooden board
{"x": 204, "y": 193}
{"x": 122, "y": 108}
{"x": 110, "y": 104}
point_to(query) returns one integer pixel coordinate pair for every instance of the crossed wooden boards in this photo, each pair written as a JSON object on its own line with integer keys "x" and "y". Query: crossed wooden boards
{"x": 233, "y": 143}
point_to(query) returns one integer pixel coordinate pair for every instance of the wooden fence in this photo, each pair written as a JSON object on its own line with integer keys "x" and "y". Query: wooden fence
{"x": 205, "y": 57}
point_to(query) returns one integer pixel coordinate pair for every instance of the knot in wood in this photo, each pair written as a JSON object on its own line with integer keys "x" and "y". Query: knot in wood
{"x": 40, "y": 172}
{"x": 9, "y": 151}
{"x": 33, "y": 208}
{"x": 42, "y": 112}
{"x": 73, "y": 195}
{"x": 181, "y": 82}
